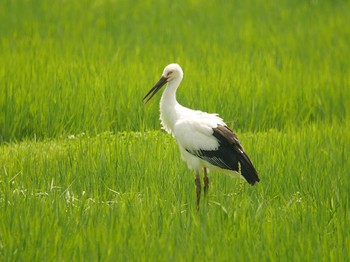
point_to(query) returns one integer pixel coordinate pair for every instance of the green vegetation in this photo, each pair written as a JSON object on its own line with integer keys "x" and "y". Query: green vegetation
{"x": 85, "y": 173}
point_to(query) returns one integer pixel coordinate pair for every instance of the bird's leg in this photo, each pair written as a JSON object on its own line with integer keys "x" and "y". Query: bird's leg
{"x": 198, "y": 188}
{"x": 206, "y": 182}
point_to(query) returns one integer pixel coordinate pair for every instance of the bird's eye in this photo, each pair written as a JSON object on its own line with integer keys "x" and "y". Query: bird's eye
{"x": 169, "y": 73}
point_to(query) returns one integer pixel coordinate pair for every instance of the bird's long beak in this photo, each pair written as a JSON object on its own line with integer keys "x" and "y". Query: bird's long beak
{"x": 154, "y": 89}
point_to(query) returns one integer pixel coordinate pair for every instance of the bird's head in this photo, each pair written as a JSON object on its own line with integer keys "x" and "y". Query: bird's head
{"x": 172, "y": 72}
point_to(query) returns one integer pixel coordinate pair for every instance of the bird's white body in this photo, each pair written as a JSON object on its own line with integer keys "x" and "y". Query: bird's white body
{"x": 192, "y": 129}
{"x": 204, "y": 139}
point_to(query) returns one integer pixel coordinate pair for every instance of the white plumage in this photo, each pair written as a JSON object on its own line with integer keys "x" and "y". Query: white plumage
{"x": 194, "y": 133}
{"x": 204, "y": 139}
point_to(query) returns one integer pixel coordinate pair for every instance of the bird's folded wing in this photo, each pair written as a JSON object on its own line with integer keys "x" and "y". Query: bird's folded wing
{"x": 211, "y": 141}
{"x": 197, "y": 134}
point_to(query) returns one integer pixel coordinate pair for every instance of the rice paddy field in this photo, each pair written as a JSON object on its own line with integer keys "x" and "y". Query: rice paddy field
{"x": 86, "y": 174}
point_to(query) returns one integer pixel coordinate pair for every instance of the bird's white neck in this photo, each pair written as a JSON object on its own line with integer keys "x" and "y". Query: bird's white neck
{"x": 168, "y": 105}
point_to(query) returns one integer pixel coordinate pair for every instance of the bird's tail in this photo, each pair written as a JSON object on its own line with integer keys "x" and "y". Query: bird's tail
{"x": 247, "y": 170}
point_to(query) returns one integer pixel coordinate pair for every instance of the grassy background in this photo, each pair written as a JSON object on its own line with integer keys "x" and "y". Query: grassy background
{"x": 106, "y": 198}
{"x": 84, "y": 66}
{"x": 83, "y": 174}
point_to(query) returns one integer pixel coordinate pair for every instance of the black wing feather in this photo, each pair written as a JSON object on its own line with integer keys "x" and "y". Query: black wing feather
{"x": 229, "y": 155}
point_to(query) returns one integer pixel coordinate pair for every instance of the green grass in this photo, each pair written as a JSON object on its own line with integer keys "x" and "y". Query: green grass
{"x": 86, "y": 175}
{"x": 84, "y": 66}
{"x": 106, "y": 198}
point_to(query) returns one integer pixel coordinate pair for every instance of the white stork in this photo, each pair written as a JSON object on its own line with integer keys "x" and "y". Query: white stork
{"x": 204, "y": 139}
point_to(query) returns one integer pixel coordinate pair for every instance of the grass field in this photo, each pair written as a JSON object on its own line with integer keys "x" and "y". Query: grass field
{"x": 86, "y": 174}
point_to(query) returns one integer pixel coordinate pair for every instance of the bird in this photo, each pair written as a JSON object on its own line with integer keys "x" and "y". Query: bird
{"x": 205, "y": 141}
